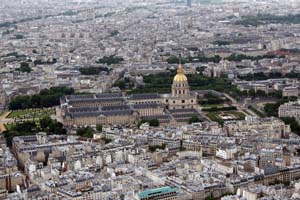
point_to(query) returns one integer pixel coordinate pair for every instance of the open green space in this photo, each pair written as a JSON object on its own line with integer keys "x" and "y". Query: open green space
{"x": 8, "y": 126}
{"x": 160, "y": 83}
{"x": 210, "y": 100}
{"x": 45, "y": 99}
{"x": 31, "y": 113}
{"x": 45, "y": 124}
{"x": 223, "y": 116}
{"x": 261, "y": 19}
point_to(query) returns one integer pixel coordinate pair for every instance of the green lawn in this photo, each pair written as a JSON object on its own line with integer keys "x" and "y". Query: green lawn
{"x": 238, "y": 115}
{"x": 31, "y": 113}
{"x": 8, "y": 126}
{"x": 18, "y": 113}
{"x": 215, "y": 116}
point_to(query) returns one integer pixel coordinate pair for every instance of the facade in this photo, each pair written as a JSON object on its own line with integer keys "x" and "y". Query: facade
{"x": 10, "y": 181}
{"x": 290, "y": 109}
{"x": 118, "y": 109}
{"x": 181, "y": 97}
{"x": 290, "y": 92}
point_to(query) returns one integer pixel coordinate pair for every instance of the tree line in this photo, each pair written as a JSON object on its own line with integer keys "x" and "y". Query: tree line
{"x": 110, "y": 60}
{"x": 271, "y": 109}
{"x": 216, "y": 59}
{"x": 261, "y": 19}
{"x": 272, "y": 75}
{"x": 24, "y": 67}
{"x": 45, "y": 124}
{"x": 93, "y": 70}
{"x": 45, "y": 99}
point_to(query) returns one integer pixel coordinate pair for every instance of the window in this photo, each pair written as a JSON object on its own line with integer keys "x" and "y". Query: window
{"x": 183, "y": 101}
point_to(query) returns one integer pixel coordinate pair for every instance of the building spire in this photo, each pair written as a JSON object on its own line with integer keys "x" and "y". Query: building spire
{"x": 179, "y": 70}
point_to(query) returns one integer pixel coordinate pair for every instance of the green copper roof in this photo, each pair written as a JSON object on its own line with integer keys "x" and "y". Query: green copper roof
{"x": 156, "y": 192}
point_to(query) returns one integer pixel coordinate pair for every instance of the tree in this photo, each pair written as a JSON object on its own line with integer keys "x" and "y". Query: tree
{"x": 48, "y": 62}
{"x": 194, "y": 119}
{"x": 93, "y": 70}
{"x": 152, "y": 122}
{"x": 222, "y": 42}
{"x": 153, "y": 148}
{"x": 173, "y": 60}
{"x": 114, "y": 33}
{"x": 109, "y": 60}
{"x": 19, "y": 36}
{"x": 45, "y": 122}
{"x": 46, "y": 98}
{"x": 106, "y": 140}
{"x": 99, "y": 127}
{"x": 216, "y": 109}
{"x": 201, "y": 69}
{"x": 87, "y": 132}
{"x": 28, "y": 126}
{"x": 24, "y": 67}
{"x": 121, "y": 84}
{"x": 295, "y": 127}
{"x": 271, "y": 109}
{"x": 268, "y": 18}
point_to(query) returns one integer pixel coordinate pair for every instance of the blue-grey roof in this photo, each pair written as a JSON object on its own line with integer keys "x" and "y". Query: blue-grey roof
{"x": 145, "y": 106}
{"x": 144, "y": 96}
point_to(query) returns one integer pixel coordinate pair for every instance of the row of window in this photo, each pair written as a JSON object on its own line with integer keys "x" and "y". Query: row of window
{"x": 146, "y": 102}
{"x": 182, "y": 101}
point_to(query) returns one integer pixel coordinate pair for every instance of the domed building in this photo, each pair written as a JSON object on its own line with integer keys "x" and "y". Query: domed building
{"x": 180, "y": 97}
{"x": 117, "y": 109}
{"x": 180, "y": 85}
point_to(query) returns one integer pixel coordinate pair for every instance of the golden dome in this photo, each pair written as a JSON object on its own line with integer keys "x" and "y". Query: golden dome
{"x": 180, "y": 77}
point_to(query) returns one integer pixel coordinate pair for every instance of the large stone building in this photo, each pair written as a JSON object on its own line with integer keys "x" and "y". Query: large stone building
{"x": 118, "y": 109}
{"x": 290, "y": 109}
